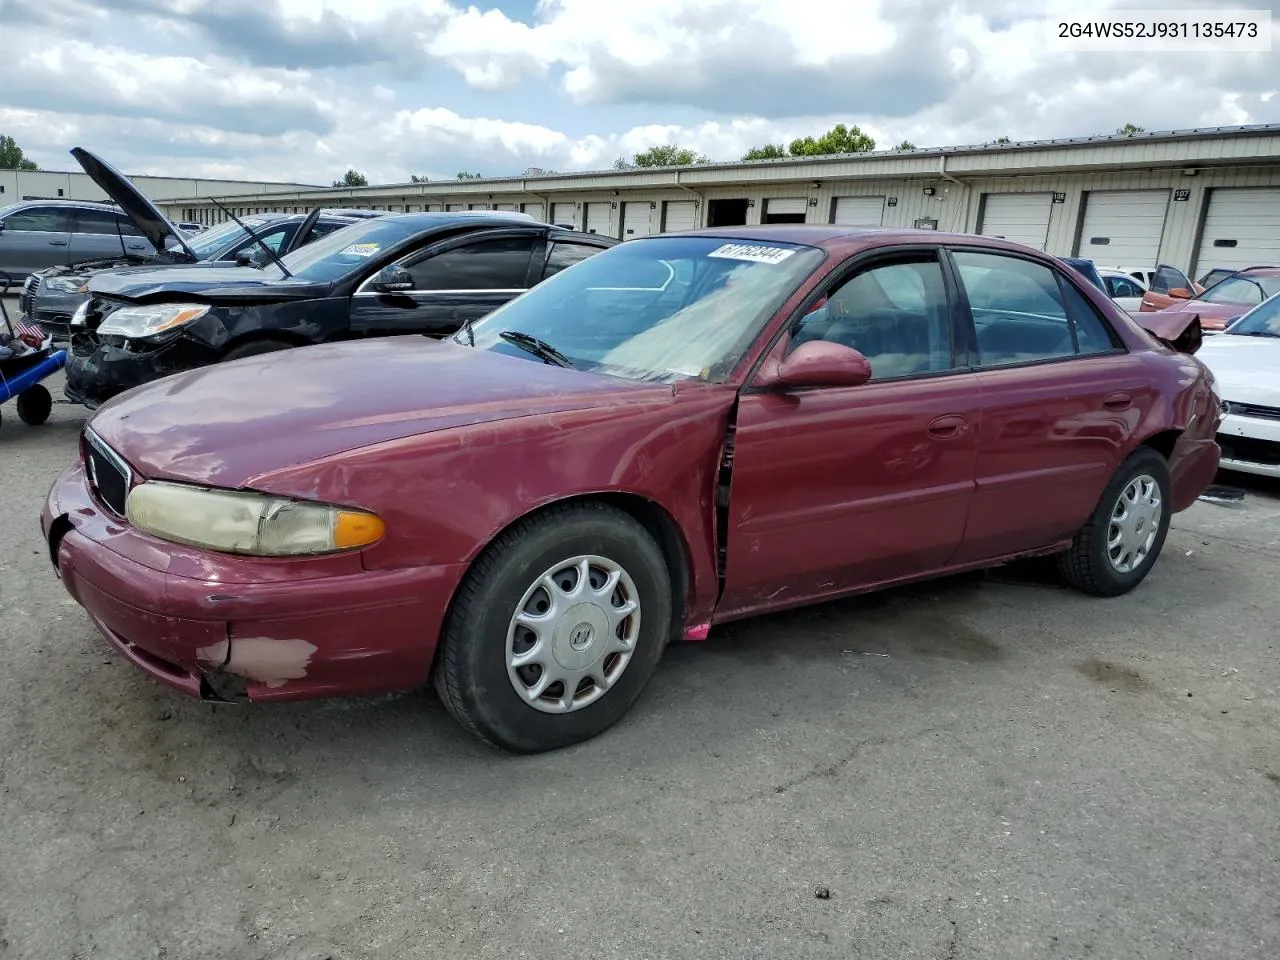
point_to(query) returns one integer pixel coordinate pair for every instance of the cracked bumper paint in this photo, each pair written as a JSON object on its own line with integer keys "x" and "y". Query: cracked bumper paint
{"x": 321, "y": 627}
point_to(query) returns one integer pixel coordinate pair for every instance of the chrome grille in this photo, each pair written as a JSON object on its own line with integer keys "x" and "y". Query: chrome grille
{"x": 26, "y": 301}
{"x": 1252, "y": 410}
{"x": 109, "y": 476}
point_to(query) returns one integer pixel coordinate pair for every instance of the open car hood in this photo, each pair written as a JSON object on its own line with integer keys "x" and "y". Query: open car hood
{"x": 146, "y": 216}
{"x": 1178, "y": 329}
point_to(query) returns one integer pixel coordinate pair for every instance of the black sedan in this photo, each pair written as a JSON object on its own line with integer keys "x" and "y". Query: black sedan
{"x": 415, "y": 273}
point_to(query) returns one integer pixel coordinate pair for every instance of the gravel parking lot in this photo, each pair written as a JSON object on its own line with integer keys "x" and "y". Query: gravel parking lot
{"x": 988, "y": 766}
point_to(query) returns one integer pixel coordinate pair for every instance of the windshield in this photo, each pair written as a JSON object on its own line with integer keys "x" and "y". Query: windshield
{"x": 1242, "y": 290}
{"x": 344, "y": 250}
{"x": 1262, "y": 321}
{"x": 660, "y": 309}
{"x": 206, "y": 244}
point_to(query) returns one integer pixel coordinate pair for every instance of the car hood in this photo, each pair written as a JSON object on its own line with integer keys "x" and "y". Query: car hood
{"x": 1245, "y": 367}
{"x": 1212, "y": 315}
{"x": 227, "y": 424}
{"x": 146, "y": 216}
{"x": 233, "y": 284}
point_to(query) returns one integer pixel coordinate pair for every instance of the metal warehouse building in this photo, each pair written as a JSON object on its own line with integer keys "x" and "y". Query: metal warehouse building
{"x": 1198, "y": 199}
{"x": 18, "y": 185}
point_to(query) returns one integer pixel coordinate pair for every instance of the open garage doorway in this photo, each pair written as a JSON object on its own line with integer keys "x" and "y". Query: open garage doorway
{"x": 726, "y": 213}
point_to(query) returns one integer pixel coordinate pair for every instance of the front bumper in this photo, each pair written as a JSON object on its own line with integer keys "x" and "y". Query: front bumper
{"x": 1250, "y": 445}
{"x": 98, "y": 371}
{"x": 216, "y": 627}
{"x": 52, "y": 311}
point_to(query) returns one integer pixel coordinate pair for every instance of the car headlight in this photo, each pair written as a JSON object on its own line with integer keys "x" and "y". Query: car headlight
{"x": 147, "y": 321}
{"x": 63, "y": 284}
{"x": 255, "y": 524}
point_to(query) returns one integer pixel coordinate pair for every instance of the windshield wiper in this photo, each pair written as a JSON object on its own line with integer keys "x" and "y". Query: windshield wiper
{"x": 539, "y": 348}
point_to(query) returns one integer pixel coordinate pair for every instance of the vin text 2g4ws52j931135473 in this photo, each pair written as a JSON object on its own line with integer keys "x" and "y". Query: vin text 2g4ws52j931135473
{"x": 677, "y": 432}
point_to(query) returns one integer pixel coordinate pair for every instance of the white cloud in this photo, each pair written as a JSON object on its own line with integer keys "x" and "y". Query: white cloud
{"x": 299, "y": 89}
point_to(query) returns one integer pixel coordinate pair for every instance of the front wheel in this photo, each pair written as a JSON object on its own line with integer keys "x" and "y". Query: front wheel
{"x": 1117, "y": 547}
{"x": 556, "y": 630}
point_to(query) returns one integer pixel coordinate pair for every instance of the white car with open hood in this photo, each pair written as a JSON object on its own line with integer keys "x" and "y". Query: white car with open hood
{"x": 1245, "y": 360}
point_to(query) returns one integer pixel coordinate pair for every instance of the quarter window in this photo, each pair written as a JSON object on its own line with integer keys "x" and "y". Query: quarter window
{"x": 896, "y": 315}
{"x": 497, "y": 264}
{"x": 1024, "y": 312}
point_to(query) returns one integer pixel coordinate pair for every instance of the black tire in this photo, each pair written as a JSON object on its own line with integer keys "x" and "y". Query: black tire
{"x": 470, "y": 673}
{"x": 34, "y": 405}
{"x": 255, "y": 348}
{"x": 1088, "y": 566}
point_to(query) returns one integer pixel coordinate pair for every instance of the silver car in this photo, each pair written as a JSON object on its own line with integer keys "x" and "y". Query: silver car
{"x": 36, "y": 234}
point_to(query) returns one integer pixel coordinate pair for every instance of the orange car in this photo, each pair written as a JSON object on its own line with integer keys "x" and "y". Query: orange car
{"x": 1218, "y": 306}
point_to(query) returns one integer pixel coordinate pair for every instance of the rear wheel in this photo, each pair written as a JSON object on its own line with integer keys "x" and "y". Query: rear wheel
{"x": 34, "y": 405}
{"x": 1117, "y": 548}
{"x": 255, "y": 348}
{"x": 556, "y": 629}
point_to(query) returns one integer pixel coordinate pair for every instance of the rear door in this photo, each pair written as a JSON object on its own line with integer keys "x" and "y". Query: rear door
{"x": 1060, "y": 398}
{"x": 455, "y": 280}
{"x": 95, "y": 236}
{"x": 34, "y": 238}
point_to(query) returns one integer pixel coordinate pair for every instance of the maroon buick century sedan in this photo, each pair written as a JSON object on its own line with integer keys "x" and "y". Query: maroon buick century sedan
{"x": 680, "y": 431}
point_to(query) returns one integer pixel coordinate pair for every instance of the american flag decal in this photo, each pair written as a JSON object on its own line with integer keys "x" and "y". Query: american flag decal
{"x": 28, "y": 333}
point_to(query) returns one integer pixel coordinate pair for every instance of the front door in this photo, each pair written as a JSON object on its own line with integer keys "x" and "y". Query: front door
{"x": 1060, "y": 399}
{"x": 836, "y": 488}
{"x": 453, "y": 282}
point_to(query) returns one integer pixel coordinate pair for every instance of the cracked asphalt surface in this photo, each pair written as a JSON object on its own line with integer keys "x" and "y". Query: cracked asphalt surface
{"x": 987, "y": 766}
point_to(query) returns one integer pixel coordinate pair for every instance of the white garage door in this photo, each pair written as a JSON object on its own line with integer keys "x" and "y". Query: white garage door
{"x": 858, "y": 211}
{"x": 598, "y": 218}
{"x": 532, "y": 209}
{"x": 562, "y": 214}
{"x": 1017, "y": 217}
{"x": 790, "y": 206}
{"x": 511, "y": 207}
{"x": 1241, "y": 229}
{"x": 679, "y": 215}
{"x": 635, "y": 220}
{"x": 456, "y": 206}
{"x": 1122, "y": 228}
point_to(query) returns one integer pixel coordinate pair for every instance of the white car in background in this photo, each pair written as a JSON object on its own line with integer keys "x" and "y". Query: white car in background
{"x": 1245, "y": 360}
{"x": 1123, "y": 287}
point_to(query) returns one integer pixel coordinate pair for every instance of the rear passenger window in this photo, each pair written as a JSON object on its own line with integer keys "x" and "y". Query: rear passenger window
{"x": 896, "y": 315}
{"x": 566, "y": 255}
{"x": 1024, "y": 312}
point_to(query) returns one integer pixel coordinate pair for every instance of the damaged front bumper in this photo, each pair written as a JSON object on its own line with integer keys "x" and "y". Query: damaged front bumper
{"x": 222, "y": 627}
{"x": 99, "y": 369}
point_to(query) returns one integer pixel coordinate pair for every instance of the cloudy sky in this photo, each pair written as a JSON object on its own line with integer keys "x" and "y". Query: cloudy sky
{"x": 302, "y": 89}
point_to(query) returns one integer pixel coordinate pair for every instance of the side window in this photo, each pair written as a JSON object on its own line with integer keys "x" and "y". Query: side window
{"x": 126, "y": 227}
{"x": 1122, "y": 287}
{"x": 272, "y": 238}
{"x": 896, "y": 315}
{"x": 497, "y": 264}
{"x": 323, "y": 228}
{"x": 96, "y": 221}
{"x": 46, "y": 219}
{"x": 1169, "y": 278}
{"x": 1024, "y": 312}
{"x": 566, "y": 255}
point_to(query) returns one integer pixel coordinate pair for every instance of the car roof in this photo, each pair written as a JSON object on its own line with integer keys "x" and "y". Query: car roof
{"x": 847, "y": 239}
{"x": 1258, "y": 272}
{"x": 64, "y": 202}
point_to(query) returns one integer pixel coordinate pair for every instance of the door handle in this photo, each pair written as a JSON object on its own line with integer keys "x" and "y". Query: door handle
{"x": 944, "y": 428}
{"x": 57, "y": 243}
{"x": 1117, "y": 401}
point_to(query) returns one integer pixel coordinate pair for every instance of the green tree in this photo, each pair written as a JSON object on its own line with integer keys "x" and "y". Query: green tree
{"x": 770, "y": 151}
{"x": 1002, "y": 140}
{"x": 414, "y": 178}
{"x": 1128, "y": 130}
{"x": 905, "y": 145}
{"x": 463, "y": 175}
{"x": 839, "y": 139}
{"x": 352, "y": 178}
{"x": 668, "y": 155}
{"x": 11, "y": 157}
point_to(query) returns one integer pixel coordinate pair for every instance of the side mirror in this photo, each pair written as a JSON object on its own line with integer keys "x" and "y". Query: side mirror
{"x": 1180, "y": 293}
{"x": 244, "y": 258}
{"x": 391, "y": 278}
{"x": 819, "y": 363}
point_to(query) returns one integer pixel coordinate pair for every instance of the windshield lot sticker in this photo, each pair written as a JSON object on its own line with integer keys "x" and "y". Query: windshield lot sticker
{"x": 752, "y": 252}
{"x": 361, "y": 250}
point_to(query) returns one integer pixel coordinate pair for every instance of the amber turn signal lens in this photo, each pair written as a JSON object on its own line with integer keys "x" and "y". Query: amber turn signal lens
{"x": 353, "y": 529}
